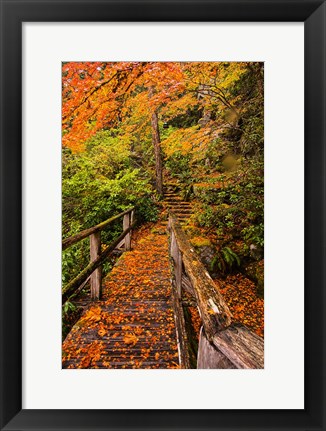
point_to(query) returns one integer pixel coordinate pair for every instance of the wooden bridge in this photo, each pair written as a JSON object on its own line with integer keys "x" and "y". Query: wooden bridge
{"x": 138, "y": 319}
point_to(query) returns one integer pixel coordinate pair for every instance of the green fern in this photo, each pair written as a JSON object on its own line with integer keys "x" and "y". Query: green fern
{"x": 232, "y": 256}
{"x": 225, "y": 259}
{"x": 68, "y": 307}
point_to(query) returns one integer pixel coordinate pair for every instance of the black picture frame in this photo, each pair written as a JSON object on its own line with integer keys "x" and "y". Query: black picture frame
{"x": 13, "y": 14}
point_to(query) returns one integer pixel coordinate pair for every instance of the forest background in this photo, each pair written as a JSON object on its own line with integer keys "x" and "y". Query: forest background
{"x": 131, "y": 128}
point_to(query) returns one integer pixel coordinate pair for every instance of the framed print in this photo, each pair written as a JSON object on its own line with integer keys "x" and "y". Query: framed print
{"x": 203, "y": 122}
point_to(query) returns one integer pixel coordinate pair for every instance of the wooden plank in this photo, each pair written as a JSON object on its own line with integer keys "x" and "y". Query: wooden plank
{"x": 178, "y": 273}
{"x": 173, "y": 246}
{"x": 209, "y": 357}
{"x": 177, "y": 263}
{"x": 186, "y": 285}
{"x": 177, "y": 259}
{"x": 87, "y": 232}
{"x": 182, "y": 337}
{"x": 241, "y": 346}
{"x": 96, "y": 276}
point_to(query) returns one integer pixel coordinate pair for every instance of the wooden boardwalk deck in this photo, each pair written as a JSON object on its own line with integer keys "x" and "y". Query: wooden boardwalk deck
{"x": 133, "y": 325}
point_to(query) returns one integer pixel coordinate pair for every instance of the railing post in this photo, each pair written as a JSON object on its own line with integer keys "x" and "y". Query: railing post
{"x": 126, "y": 223}
{"x": 177, "y": 258}
{"x": 96, "y": 276}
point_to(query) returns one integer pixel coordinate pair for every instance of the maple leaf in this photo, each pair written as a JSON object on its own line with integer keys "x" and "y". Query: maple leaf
{"x": 130, "y": 339}
{"x": 96, "y": 357}
{"x": 101, "y": 332}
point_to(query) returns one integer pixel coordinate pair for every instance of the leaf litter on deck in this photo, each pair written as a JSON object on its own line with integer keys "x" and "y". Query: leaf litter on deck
{"x": 133, "y": 326}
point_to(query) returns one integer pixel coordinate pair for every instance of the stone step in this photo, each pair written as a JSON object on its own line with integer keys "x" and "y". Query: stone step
{"x": 177, "y": 201}
{"x": 181, "y": 212}
{"x": 180, "y": 207}
{"x": 172, "y": 198}
{"x": 183, "y": 216}
{"x": 177, "y": 205}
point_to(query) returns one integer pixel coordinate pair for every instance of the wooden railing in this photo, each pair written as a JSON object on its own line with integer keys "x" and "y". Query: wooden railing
{"x": 222, "y": 343}
{"x": 93, "y": 271}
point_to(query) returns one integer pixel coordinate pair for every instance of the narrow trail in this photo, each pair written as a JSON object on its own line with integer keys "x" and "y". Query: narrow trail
{"x": 133, "y": 325}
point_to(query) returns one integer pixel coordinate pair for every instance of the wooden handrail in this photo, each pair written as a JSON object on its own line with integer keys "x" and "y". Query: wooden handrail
{"x": 94, "y": 269}
{"x": 222, "y": 343}
{"x": 69, "y": 289}
{"x": 68, "y": 242}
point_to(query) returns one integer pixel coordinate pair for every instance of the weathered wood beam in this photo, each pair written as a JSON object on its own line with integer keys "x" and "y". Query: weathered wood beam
{"x": 69, "y": 289}
{"x": 213, "y": 309}
{"x": 87, "y": 232}
{"x": 186, "y": 285}
{"x": 240, "y": 346}
{"x": 209, "y": 357}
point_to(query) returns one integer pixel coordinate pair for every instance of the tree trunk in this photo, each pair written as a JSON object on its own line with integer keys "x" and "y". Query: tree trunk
{"x": 157, "y": 150}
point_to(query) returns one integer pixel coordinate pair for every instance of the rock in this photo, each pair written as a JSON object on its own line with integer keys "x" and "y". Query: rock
{"x": 256, "y": 252}
{"x": 255, "y": 272}
{"x": 206, "y": 255}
